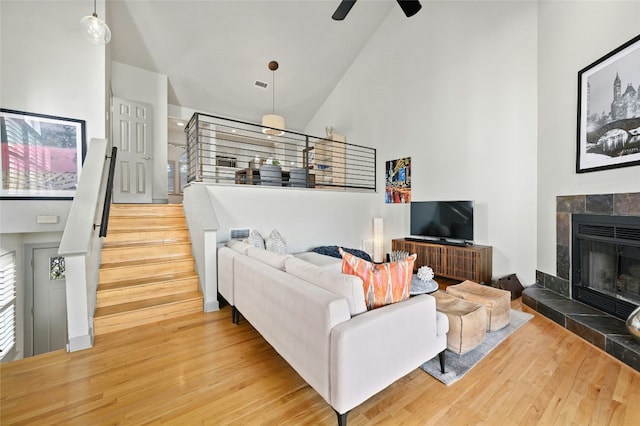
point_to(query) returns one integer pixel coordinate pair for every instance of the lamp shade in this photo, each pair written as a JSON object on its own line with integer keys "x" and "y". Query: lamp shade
{"x": 95, "y": 29}
{"x": 273, "y": 124}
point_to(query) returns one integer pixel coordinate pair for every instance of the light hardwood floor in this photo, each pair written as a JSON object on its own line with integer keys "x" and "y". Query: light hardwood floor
{"x": 202, "y": 369}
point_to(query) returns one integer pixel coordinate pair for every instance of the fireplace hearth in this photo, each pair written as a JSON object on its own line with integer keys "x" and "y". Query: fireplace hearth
{"x": 553, "y": 295}
{"x": 606, "y": 262}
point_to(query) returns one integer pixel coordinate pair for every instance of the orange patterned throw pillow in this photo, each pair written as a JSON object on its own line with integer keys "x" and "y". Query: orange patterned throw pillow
{"x": 383, "y": 283}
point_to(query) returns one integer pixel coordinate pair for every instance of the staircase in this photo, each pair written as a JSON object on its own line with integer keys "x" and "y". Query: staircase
{"x": 147, "y": 272}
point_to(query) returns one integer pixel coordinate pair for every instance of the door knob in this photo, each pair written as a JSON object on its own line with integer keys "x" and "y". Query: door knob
{"x": 146, "y": 158}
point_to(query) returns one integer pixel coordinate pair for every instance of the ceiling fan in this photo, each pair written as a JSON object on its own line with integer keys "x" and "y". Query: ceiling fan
{"x": 409, "y": 7}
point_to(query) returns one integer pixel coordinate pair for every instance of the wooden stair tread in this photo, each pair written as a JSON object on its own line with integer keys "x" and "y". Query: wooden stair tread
{"x": 157, "y": 260}
{"x": 142, "y": 227}
{"x": 125, "y": 308}
{"x": 147, "y": 272}
{"x": 163, "y": 215}
{"x": 146, "y": 281}
{"x": 117, "y": 231}
{"x": 146, "y": 208}
{"x": 144, "y": 243}
{"x": 162, "y": 228}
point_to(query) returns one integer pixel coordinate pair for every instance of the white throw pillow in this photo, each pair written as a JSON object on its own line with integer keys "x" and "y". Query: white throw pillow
{"x": 256, "y": 240}
{"x": 275, "y": 243}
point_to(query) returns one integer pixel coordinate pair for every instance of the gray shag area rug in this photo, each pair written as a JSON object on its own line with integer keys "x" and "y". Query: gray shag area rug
{"x": 457, "y": 366}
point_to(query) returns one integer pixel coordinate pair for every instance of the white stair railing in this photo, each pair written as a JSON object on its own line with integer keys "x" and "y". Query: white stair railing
{"x": 203, "y": 226}
{"x": 81, "y": 246}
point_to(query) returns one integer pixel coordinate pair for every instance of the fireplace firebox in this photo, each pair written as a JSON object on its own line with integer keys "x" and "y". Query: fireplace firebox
{"x": 606, "y": 262}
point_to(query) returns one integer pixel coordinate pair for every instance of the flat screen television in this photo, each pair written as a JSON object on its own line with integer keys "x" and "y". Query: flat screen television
{"x": 444, "y": 221}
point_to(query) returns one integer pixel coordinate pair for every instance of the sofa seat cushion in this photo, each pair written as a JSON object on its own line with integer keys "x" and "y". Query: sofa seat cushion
{"x": 347, "y": 286}
{"x": 268, "y": 257}
{"x": 383, "y": 283}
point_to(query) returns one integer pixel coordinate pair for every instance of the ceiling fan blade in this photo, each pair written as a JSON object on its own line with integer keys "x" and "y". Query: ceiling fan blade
{"x": 410, "y": 7}
{"x": 343, "y": 9}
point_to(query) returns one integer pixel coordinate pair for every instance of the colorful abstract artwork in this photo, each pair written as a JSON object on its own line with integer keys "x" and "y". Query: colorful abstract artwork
{"x": 398, "y": 181}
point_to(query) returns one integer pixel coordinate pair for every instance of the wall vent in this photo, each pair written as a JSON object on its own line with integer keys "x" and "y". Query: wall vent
{"x": 239, "y": 233}
{"x": 261, "y": 84}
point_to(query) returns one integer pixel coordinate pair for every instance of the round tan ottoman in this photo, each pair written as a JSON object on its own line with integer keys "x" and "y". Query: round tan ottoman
{"x": 467, "y": 322}
{"x": 497, "y": 302}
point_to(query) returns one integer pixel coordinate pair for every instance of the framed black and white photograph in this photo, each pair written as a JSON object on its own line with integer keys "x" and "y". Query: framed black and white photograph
{"x": 609, "y": 110}
{"x": 41, "y": 155}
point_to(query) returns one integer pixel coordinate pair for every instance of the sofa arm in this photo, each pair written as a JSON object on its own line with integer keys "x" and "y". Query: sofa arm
{"x": 373, "y": 350}
{"x": 225, "y": 273}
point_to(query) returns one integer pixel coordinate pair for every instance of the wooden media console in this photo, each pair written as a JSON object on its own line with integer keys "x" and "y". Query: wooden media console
{"x": 473, "y": 262}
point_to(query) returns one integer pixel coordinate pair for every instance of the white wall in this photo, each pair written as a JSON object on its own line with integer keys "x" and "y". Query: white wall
{"x": 136, "y": 84}
{"x": 46, "y": 67}
{"x": 305, "y": 218}
{"x": 596, "y": 28}
{"x": 454, "y": 88}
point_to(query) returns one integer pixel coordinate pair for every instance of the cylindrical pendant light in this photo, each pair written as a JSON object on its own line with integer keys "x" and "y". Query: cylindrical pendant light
{"x": 273, "y": 124}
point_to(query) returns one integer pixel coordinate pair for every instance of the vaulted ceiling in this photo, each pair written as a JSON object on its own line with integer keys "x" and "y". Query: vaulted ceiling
{"x": 213, "y": 51}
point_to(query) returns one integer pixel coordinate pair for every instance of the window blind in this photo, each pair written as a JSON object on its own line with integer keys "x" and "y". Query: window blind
{"x": 7, "y": 303}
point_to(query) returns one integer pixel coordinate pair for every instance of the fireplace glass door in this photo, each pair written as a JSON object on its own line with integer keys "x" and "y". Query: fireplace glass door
{"x": 612, "y": 269}
{"x": 606, "y": 262}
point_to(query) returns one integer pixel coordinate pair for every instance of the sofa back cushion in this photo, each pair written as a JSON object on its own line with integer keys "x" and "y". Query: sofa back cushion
{"x": 383, "y": 283}
{"x": 238, "y": 246}
{"x": 326, "y": 263}
{"x": 268, "y": 257}
{"x": 347, "y": 286}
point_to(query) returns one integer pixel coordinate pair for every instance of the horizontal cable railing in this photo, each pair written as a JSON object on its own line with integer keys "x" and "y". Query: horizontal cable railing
{"x": 226, "y": 151}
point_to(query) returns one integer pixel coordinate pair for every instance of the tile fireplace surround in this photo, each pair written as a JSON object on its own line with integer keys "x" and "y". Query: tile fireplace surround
{"x": 551, "y": 295}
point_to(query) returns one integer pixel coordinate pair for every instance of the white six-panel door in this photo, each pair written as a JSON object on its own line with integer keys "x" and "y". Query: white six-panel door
{"x": 132, "y": 135}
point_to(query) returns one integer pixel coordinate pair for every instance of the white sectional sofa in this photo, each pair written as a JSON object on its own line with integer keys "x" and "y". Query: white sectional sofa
{"x": 315, "y": 317}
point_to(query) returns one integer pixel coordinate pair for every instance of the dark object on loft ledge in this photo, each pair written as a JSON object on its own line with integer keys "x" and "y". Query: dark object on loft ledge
{"x": 409, "y": 7}
{"x": 511, "y": 283}
{"x": 333, "y": 252}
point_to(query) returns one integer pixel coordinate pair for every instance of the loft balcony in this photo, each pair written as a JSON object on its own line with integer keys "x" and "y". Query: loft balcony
{"x": 232, "y": 152}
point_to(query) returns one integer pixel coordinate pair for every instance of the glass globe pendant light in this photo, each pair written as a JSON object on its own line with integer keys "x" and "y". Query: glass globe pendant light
{"x": 95, "y": 29}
